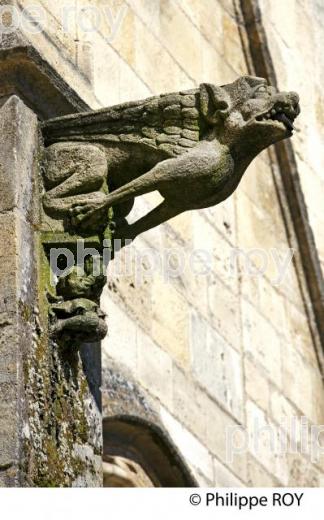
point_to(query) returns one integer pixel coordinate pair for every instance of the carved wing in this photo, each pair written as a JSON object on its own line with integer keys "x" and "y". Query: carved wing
{"x": 169, "y": 122}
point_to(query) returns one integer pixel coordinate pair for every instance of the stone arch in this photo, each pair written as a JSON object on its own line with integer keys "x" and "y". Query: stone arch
{"x": 137, "y": 453}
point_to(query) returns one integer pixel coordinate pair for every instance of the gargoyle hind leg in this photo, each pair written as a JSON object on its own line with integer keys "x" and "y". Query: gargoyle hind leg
{"x": 82, "y": 211}
{"x": 153, "y": 180}
{"x": 75, "y": 174}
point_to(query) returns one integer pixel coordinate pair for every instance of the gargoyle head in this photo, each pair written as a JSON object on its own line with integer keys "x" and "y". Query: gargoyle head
{"x": 248, "y": 113}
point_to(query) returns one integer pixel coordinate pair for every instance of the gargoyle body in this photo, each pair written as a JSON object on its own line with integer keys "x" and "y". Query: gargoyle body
{"x": 192, "y": 146}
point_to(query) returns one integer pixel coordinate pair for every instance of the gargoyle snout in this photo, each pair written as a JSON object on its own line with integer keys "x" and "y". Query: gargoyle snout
{"x": 287, "y": 102}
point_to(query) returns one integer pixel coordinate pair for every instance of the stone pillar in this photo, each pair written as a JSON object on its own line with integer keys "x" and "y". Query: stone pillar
{"x": 50, "y": 410}
{"x": 18, "y": 277}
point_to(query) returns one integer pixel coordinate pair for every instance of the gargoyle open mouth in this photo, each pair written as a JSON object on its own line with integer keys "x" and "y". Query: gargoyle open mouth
{"x": 278, "y": 115}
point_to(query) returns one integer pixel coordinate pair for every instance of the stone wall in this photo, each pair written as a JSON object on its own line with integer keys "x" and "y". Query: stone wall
{"x": 50, "y": 420}
{"x": 17, "y": 282}
{"x": 213, "y": 347}
{"x": 296, "y": 48}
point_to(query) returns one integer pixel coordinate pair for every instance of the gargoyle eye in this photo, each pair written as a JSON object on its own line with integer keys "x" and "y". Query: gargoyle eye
{"x": 261, "y": 91}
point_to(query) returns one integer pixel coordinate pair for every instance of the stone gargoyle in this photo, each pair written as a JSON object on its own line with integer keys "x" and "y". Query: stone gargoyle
{"x": 192, "y": 146}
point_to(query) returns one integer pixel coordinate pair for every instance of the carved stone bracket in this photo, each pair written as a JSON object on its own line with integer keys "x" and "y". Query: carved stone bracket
{"x": 191, "y": 146}
{"x": 75, "y": 287}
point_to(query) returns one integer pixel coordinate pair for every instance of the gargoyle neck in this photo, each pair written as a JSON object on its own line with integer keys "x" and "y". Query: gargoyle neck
{"x": 242, "y": 158}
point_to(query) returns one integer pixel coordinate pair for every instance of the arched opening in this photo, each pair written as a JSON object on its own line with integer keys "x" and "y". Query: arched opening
{"x": 137, "y": 453}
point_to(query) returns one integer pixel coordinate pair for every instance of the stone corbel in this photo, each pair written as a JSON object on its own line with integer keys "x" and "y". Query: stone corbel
{"x": 191, "y": 146}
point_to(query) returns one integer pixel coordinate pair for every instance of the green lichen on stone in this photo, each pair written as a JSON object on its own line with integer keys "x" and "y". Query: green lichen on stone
{"x": 25, "y": 311}
{"x": 57, "y": 394}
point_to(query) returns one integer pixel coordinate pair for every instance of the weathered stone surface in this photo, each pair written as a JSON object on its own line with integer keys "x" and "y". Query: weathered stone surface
{"x": 170, "y": 322}
{"x": 224, "y": 307}
{"x": 218, "y": 441}
{"x": 257, "y": 385}
{"x": 188, "y": 404}
{"x": 120, "y": 343}
{"x": 50, "y": 422}
{"x": 25, "y": 72}
{"x": 303, "y": 384}
{"x": 132, "y": 420}
{"x": 265, "y": 443}
{"x": 232, "y": 131}
{"x": 224, "y": 478}
{"x": 255, "y": 329}
{"x": 257, "y": 475}
{"x": 18, "y": 149}
{"x": 154, "y": 368}
{"x": 189, "y": 446}
{"x": 125, "y": 68}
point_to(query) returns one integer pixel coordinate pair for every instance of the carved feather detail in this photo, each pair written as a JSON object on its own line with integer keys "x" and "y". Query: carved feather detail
{"x": 169, "y": 122}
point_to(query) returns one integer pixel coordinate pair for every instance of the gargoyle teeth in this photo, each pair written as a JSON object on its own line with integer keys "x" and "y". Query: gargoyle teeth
{"x": 277, "y": 115}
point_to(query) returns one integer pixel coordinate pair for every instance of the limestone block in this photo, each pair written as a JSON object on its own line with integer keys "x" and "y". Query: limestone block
{"x": 276, "y": 17}
{"x": 258, "y": 228}
{"x": 214, "y": 65}
{"x": 185, "y": 268}
{"x": 154, "y": 369}
{"x": 272, "y": 305}
{"x": 145, "y": 63}
{"x": 195, "y": 453}
{"x": 17, "y": 275}
{"x": 205, "y": 16}
{"x": 318, "y": 404}
{"x": 148, "y": 11}
{"x": 217, "y": 366}
{"x": 265, "y": 443}
{"x": 262, "y": 342}
{"x": 220, "y": 432}
{"x": 55, "y": 20}
{"x": 202, "y": 480}
{"x": 208, "y": 15}
{"x": 188, "y": 403}
{"x": 115, "y": 80}
{"x": 249, "y": 285}
{"x": 232, "y": 49}
{"x": 120, "y": 343}
{"x": 224, "y": 308}
{"x": 130, "y": 278}
{"x": 303, "y": 473}
{"x": 204, "y": 236}
{"x": 182, "y": 225}
{"x": 223, "y": 217}
{"x": 18, "y": 151}
{"x": 257, "y": 182}
{"x": 223, "y": 477}
{"x": 300, "y": 381}
{"x": 187, "y": 51}
{"x": 257, "y": 385}
{"x": 217, "y": 252}
{"x": 122, "y": 33}
{"x": 288, "y": 417}
{"x": 258, "y": 476}
{"x": 170, "y": 323}
{"x": 299, "y": 334}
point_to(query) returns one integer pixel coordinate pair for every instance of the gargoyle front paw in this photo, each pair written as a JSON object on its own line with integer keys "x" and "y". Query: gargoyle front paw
{"x": 82, "y": 207}
{"x": 90, "y": 213}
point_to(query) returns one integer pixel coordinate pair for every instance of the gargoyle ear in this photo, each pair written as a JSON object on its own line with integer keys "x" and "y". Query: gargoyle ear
{"x": 214, "y": 103}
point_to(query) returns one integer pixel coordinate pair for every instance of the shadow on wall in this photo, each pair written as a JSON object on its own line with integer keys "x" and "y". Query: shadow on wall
{"x": 136, "y": 453}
